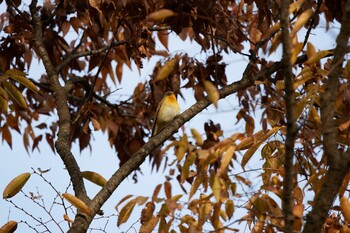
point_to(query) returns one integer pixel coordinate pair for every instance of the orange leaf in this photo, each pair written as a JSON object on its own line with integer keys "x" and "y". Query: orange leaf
{"x": 9, "y": 227}
{"x": 156, "y": 192}
{"x": 345, "y": 208}
{"x": 167, "y": 189}
{"x": 160, "y": 15}
{"x": 15, "y": 185}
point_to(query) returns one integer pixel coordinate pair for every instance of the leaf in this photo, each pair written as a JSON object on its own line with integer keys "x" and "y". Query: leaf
{"x": 301, "y": 21}
{"x": 295, "y": 52}
{"x": 125, "y": 212}
{"x": 182, "y": 148}
{"x": 156, "y": 192}
{"x": 195, "y": 185}
{"x": 160, "y": 15}
{"x": 149, "y": 225}
{"x": 94, "y": 177}
{"x": 276, "y": 41}
{"x": 147, "y": 212}
{"x": 213, "y": 93}
{"x": 15, "y": 185}
{"x": 197, "y": 136}
{"x": 247, "y": 156}
{"x": 122, "y": 200}
{"x": 317, "y": 57}
{"x": 77, "y": 203}
{"x": 163, "y": 38}
{"x": 166, "y": 70}
{"x": 20, "y": 77}
{"x": 186, "y": 167}
{"x": 15, "y": 94}
{"x": 229, "y": 208}
{"x": 66, "y": 218}
{"x": 3, "y": 100}
{"x": 9, "y": 227}
{"x": 95, "y": 124}
{"x": 345, "y": 208}
{"x": 226, "y": 159}
{"x": 167, "y": 189}
{"x": 310, "y": 50}
{"x": 216, "y": 187}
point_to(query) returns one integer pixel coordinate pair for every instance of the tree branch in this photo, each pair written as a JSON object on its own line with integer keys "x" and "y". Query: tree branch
{"x": 81, "y": 225}
{"x": 291, "y": 121}
{"x": 339, "y": 164}
{"x": 63, "y": 143}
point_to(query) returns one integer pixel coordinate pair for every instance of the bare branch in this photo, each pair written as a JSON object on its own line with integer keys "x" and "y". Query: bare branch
{"x": 291, "y": 121}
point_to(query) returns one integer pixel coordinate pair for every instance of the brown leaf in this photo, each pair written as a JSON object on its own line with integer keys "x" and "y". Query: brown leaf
{"x": 9, "y": 227}
{"x": 147, "y": 212}
{"x": 167, "y": 189}
{"x": 149, "y": 225}
{"x": 229, "y": 207}
{"x": 125, "y": 212}
{"x": 160, "y": 15}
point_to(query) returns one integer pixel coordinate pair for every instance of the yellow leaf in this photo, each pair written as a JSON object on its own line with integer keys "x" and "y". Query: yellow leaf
{"x": 310, "y": 51}
{"x": 247, "y": 156}
{"x": 272, "y": 30}
{"x": 166, "y": 70}
{"x": 197, "y": 136}
{"x": 20, "y": 77}
{"x": 182, "y": 148}
{"x": 15, "y": 94}
{"x": 345, "y": 208}
{"x": 9, "y": 227}
{"x": 94, "y": 178}
{"x": 77, "y": 203}
{"x": 275, "y": 42}
{"x": 295, "y": 52}
{"x": 186, "y": 167}
{"x": 216, "y": 187}
{"x": 125, "y": 212}
{"x": 160, "y": 15}
{"x": 213, "y": 93}
{"x": 15, "y": 185}
{"x": 195, "y": 185}
{"x": 301, "y": 21}
{"x": 226, "y": 159}
{"x": 317, "y": 57}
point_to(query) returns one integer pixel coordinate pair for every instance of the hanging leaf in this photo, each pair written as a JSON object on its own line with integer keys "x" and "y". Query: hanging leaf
{"x": 226, "y": 159}
{"x": 216, "y": 187}
{"x": 213, "y": 93}
{"x": 345, "y": 208}
{"x": 125, "y": 212}
{"x": 167, "y": 189}
{"x": 15, "y": 94}
{"x": 186, "y": 167}
{"x": 77, "y": 203}
{"x": 229, "y": 208}
{"x": 317, "y": 57}
{"x": 197, "y": 136}
{"x": 94, "y": 178}
{"x": 15, "y": 185}
{"x": 198, "y": 181}
{"x": 301, "y": 21}
{"x": 9, "y": 227}
{"x": 20, "y": 77}
{"x": 149, "y": 225}
{"x": 166, "y": 70}
{"x": 3, "y": 100}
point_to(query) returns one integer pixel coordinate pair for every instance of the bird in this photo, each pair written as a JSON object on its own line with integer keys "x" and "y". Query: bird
{"x": 167, "y": 110}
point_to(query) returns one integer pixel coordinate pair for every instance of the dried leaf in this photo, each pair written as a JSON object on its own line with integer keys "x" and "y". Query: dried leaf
{"x": 197, "y": 136}
{"x": 167, "y": 189}
{"x": 213, "y": 93}
{"x": 216, "y": 187}
{"x": 94, "y": 177}
{"x": 198, "y": 181}
{"x": 147, "y": 212}
{"x": 15, "y": 185}
{"x": 317, "y": 57}
{"x": 345, "y": 208}
{"x": 125, "y": 212}
{"x": 95, "y": 124}
{"x": 229, "y": 208}
{"x": 301, "y": 21}
{"x": 149, "y": 225}
{"x": 122, "y": 200}
{"x": 247, "y": 156}
{"x": 9, "y": 227}
{"x": 66, "y": 218}
{"x": 77, "y": 203}
{"x": 3, "y": 100}
{"x": 20, "y": 77}
{"x": 156, "y": 192}
{"x": 160, "y": 15}
{"x": 15, "y": 94}
{"x": 166, "y": 70}
{"x": 186, "y": 167}
{"x": 226, "y": 159}
{"x": 310, "y": 51}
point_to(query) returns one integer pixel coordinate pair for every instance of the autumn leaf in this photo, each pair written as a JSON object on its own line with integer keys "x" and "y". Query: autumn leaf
{"x": 94, "y": 177}
{"x": 15, "y": 94}
{"x": 125, "y": 212}
{"x": 166, "y": 70}
{"x": 77, "y": 203}
{"x": 345, "y": 208}
{"x": 229, "y": 207}
{"x": 9, "y": 227}
{"x": 15, "y": 185}
{"x": 213, "y": 93}
{"x": 20, "y": 77}
{"x": 160, "y": 15}
{"x": 301, "y": 21}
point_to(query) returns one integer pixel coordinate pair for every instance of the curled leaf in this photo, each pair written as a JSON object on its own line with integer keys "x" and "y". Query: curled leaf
{"x": 15, "y": 185}
{"x": 94, "y": 177}
{"x": 77, "y": 203}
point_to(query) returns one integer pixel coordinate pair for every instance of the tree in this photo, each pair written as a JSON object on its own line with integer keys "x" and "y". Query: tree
{"x": 302, "y": 138}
